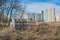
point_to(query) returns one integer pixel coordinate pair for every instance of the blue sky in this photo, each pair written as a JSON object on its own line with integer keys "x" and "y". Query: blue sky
{"x": 35, "y": 6}
{"x": 57, "y": 2}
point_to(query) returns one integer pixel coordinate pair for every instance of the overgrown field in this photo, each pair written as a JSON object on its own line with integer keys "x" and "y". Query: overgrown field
{"x": 31, "y": 33}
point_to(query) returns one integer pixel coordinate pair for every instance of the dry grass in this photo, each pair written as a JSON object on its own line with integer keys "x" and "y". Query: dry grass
{"x": 37, "y": 33}
{"x": 31, "y": 33}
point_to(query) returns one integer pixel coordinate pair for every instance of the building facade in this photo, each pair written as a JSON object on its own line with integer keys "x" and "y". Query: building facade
{"x": 50, "y": 15}
{"x": 37, "y": 16}
{"x": 42, "y": 16}
{"x": 31, "y": 16}
{"x": 58, "y": 17}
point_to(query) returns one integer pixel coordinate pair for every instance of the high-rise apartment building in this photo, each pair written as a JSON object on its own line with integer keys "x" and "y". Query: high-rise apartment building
{"x": 37, "y": 16}
{"x": 58, "y": 17}
{"x": 50, "y": 15}
{"x": 31, "y": 16}
{"x": 42, "y": 16}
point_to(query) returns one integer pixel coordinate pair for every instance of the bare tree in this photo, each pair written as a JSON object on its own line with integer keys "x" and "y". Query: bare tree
{"x": 2, "y": 2}
{"x": 14, "y": 5}
{"x": 9, "y": 6}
